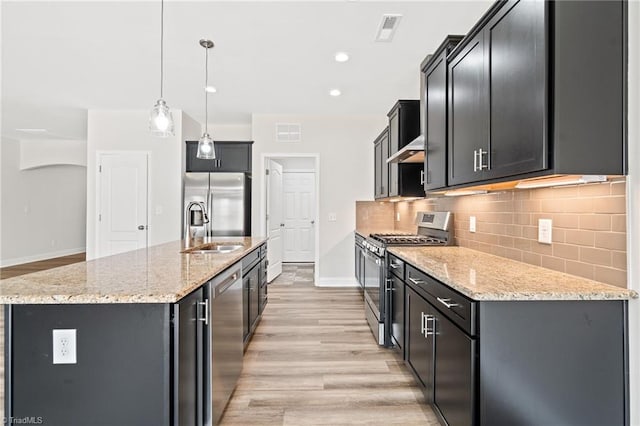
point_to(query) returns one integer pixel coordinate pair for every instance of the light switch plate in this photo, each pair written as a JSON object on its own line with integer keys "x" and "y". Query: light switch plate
{"x": 333, "y": 217}
{"x": 472, "y": 224}
{"x": 545, "y": 231}
{"x": 64, "y": 346}
{"x": 397, "y": 217}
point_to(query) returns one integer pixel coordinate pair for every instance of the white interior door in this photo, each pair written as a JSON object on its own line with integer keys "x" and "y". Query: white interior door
{"x": 122, "y": 212}
{"x": 299, "y": 193}
{"x": 274, "y": 220}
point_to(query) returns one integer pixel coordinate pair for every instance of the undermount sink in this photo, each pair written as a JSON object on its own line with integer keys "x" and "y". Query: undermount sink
{"x": 213, "y": 248}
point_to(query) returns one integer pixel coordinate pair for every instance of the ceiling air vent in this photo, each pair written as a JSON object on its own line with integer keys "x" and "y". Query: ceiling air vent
{"x": 388, "y": 27}
{"x": 288, "y": 132}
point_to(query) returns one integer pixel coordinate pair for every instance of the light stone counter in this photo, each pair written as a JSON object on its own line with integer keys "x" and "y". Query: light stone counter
{"x": 482, "y": 276}
{"x": 157, "y": 274}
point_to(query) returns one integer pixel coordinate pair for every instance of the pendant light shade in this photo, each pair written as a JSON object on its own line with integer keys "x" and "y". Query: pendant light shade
{"x": 206, "y": 150}
{"x": 160, "y": 118}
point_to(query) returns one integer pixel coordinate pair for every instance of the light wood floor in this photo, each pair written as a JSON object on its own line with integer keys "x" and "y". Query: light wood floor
{"x": 313, "y": 360}
{"x": 26, "y": 268}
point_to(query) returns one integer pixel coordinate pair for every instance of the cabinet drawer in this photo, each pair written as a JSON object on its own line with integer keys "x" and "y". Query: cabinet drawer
{"x": 249, "y": 261}
{"x": 396, "y": 266}
{"x": 458, "y": 308}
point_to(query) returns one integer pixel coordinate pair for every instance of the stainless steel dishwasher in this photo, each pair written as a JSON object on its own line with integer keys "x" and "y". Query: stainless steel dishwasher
{"x": 225, "y": 346}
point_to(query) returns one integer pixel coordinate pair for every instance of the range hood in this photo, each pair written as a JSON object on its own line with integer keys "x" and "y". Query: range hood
{"x": 413, "y": 152}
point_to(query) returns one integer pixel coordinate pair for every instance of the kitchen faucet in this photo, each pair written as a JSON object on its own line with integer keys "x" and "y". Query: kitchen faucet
{"x": 195, "y": 220}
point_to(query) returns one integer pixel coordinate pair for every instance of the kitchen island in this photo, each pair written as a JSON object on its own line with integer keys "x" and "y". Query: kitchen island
{"x": 153, "y": 336}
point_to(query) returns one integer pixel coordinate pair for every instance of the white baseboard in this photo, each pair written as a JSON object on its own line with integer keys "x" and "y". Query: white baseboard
{"x": 43, "y": 256}
{"x": 337, "y": 282}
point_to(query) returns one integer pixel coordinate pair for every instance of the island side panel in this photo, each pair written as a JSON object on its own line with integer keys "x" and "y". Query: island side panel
{"x": 553, "y": 362}
{"x": 122, "y": 374}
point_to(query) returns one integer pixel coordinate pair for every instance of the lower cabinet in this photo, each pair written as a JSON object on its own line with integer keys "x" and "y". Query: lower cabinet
{"x": 396, "y": 303}
{"x": 498, "y": 362}
{"x": 254, "y": 278}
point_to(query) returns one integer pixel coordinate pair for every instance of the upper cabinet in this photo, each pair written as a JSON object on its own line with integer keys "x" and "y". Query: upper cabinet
{"x": 405, "y": 179}
{"x": 433, "y": 114}
{"x": 528, "y": 97}
{"x": 230, "y": 157}
{"x": 381, "y": 168}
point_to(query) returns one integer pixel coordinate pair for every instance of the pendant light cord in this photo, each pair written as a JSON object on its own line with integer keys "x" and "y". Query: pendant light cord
{"x": 161, "y": 47}
{"x": 206, "y": 83}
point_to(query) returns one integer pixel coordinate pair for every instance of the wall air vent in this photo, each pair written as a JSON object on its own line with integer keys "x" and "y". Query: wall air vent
{"x": 388, "y": 27}
{"x": 288, "y": 132}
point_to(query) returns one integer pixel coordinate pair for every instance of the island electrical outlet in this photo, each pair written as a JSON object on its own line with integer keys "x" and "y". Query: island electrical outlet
{"x": 64, "y": 346}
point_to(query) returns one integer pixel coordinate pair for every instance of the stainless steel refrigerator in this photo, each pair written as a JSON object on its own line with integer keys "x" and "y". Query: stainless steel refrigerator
{"x": 227, "y": 200}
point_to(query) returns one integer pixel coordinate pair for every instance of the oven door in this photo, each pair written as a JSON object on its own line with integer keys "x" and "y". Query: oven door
{"x": 374, "y": 305}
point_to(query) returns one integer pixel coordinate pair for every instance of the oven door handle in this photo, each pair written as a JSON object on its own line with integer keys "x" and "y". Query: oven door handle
{"x": 372, "y": 257}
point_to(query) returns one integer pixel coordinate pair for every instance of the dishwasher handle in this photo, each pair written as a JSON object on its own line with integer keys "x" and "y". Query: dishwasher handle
{"x": 224, "y": 285}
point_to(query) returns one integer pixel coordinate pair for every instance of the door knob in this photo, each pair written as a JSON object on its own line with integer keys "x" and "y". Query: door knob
{"x": 282, "y": 224}
{"x": 141, "y": 227}
{"x": 313, "y": 222}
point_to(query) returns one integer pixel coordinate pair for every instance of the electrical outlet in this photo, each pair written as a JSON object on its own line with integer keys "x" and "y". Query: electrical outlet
{"x": 333, "y": 217}
{"x": 472, "y": 224}
{"x": 544, "y": 231}
{"x": 64, "y": 346}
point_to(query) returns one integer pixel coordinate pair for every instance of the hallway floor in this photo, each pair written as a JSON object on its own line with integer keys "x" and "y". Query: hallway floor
{"x": 313, "y": 360}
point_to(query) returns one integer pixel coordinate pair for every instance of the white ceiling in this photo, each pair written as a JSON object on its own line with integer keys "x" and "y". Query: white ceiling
{"x": 61, "y": 58}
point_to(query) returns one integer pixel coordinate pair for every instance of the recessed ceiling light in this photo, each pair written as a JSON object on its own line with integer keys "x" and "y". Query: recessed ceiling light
{"x": 210, "y": 89}
{"x": 31, "y": 130}
{"x": 335, "y": 92}
{"x": 342, "y": 57}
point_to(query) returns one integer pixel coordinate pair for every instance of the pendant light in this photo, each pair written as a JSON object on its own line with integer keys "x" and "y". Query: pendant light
{"x": 160, "y": 119}
{"x": 206, "y": 150}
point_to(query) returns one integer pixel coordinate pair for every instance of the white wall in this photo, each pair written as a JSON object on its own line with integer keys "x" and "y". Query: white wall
{"x": 633, "y": 207}
{"x": 230, "y": 132}
{"x": 43, "y": 209}
{"x": 345, "y": 147}
{"x": 128, "y": 131}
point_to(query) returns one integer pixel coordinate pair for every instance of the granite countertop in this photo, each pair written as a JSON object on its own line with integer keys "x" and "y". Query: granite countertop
{"x": 157, "y": 274}
{"x": 482, "y": 276}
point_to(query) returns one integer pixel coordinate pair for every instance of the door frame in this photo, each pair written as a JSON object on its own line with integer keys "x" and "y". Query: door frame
{"x": 98, "y": 192}
{"x": 263, "y": 200}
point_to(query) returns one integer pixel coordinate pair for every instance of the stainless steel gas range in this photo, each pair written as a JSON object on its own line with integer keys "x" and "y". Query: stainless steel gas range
{"x": 434, "y": 229}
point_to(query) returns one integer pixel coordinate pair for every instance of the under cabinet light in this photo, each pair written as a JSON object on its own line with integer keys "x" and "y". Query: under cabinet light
{"x": 560, "y": 181}
{"x": 459, "y": 192}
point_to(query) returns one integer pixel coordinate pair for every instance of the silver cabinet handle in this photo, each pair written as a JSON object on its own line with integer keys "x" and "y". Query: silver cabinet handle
{"x": 395, "y": 265}
{"x": 446, "y": 303}
{"x": 481, "y": 154}
{"x": 422, "y": 177}
{"x": 422, "y": 323}
{"x": 205, "y": 306}
{"x": 415, "y": 281}
{"x": 429, "y": 331}
{"x": 475, "y": 160}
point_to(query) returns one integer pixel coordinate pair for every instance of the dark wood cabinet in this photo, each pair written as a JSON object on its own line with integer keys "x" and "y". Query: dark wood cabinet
{"x": 405, "y": 179}
{"x": 528, "y": 98}
{"x": 254, "y": 294}
{"x": 230, "y": 157}
{"x": 418, "y": 347}
{"x": 381, "y": 168}
{"x": 468, "y": 112}
{"x": 433, "y": 114}
{"x": 262, "y": 291}
{"x": 396, "y": 303}
{"x": 516, "y": 52}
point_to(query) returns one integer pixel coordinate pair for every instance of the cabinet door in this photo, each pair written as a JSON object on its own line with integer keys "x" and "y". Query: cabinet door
{"x": 189, "y": 362}
{"x": 394, "y": 145}
{"x": 254, "y": 296}
{"x": 397, "y": 312}
{"x": 419, "y": 349}
{"x": 377, "y": 164}
{"x": 468, "y": 112}
{"x": 435, "y": 159}
{"x": 384, "y": 167}
{"x": 453, "y": 373}
{"x": 517, "y": 89}
{"x": 262, "y": 288}
{"x": 246, "y": 302}
{"x": 233, "y": 157}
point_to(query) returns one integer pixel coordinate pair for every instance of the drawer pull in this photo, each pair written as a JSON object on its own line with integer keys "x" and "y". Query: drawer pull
{"x": 395, "y": 265}
{"x": 415, "y": 281}
{"x": 446, "y": 303}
